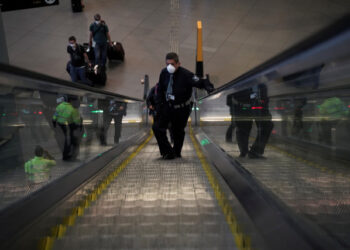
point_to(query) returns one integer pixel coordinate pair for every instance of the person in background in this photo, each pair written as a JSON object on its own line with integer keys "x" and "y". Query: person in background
{"x": 99, "y": 39}
{"x": 78, "y": 59}
{"x": 69, "y": 121}
{"x": 332, "y": 111}
{"x": 38, "y": 168}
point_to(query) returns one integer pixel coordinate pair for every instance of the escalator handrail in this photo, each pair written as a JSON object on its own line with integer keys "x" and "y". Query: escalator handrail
{"x": 10, "y": 69}
{"x": 336, "y": 28}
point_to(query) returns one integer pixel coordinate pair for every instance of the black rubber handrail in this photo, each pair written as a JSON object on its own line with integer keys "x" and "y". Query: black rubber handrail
{"x": 336, "y": 28}
{"x": 10, "y": 69}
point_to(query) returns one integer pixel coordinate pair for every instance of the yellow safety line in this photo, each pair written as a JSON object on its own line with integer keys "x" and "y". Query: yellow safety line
{"x": 59, "y": 230}
{"x": 242, "y": 240}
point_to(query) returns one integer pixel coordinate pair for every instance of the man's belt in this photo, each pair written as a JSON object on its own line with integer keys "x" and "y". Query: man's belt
{"x": 180, "y": 105}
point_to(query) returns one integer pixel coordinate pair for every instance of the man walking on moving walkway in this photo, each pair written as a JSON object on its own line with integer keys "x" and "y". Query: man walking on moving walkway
{"x": 174, "y": 103}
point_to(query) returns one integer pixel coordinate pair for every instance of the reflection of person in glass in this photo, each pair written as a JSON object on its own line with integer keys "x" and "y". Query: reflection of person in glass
{"x": 262, "y": 117}
{"x": 111, "y": 110}
{"x": 332, "y": 110}
{"x": 38, "y": 168}
{"x": 243, "y": 119}
{"x": 231, "y": 128}
{"x": 251, "y": 105}
{"x": 298, "y": 124}
{"x": 69, "y": 121}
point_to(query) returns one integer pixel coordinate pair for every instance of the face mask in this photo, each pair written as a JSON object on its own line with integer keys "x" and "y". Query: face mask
{"x": 171, "y": 69}
{"x": 72, "y": 45}
{"x": 97, "y": 22}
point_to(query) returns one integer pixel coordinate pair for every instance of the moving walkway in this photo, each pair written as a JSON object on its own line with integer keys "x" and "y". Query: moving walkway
{"x": 122, "y": 195}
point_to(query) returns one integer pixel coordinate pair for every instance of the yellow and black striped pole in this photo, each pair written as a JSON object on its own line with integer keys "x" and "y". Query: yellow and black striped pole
{"x": 199, "y": 56}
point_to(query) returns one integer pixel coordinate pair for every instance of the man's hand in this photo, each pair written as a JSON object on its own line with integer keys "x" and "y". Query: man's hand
{"x": 208, "y": 86}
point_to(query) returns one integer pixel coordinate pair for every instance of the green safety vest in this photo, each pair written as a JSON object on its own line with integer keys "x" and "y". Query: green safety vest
{"x": 38, "y": 169}
{"x": 66, "y": 114}
{"x": 333, "y": 108}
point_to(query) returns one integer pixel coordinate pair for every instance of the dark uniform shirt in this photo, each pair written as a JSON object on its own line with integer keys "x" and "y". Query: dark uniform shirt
{"x": 99, "y": 32}
{"x": 183, "y": 81}
{"x": 76, "y": 55}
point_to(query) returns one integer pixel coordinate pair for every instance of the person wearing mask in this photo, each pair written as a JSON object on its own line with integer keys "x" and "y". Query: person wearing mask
{"x": 38, "y": 168}
{"x": 78, "y": 59}
{"x": 99, "y": 34}
{"x": 69, "y": 121}
{"x": 174, "y": 103}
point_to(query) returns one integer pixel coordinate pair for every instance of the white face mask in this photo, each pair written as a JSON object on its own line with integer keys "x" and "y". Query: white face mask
{"x": 72, "y": 45}
{"x": 97, "y": 22}
{"x": 171, "y": 69}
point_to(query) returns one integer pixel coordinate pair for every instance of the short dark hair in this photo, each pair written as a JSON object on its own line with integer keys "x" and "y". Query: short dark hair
{"x": 39, "y": 151}
{"x": 97, "y": 17}
{"x": 72, "y": 38}
{"x": 172, "y": 56}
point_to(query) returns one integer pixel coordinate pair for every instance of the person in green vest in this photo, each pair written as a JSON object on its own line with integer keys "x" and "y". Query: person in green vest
{"x": 38, "y": 168}
{"x": 332, "y": 110}
{"x": 68, "y": 119}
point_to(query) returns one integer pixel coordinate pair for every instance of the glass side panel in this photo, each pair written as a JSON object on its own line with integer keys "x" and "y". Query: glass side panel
{"x": 47, "y": 130}
{"x": 291, "y": 131}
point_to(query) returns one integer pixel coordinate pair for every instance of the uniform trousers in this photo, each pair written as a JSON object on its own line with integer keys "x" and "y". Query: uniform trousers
{"x": 178, "y": 119}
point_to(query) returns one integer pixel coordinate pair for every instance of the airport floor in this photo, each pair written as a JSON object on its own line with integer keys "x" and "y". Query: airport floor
{"x": 237, "y": 35}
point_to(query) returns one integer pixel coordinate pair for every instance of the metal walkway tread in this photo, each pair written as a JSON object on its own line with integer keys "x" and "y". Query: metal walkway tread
{"x": 154, "y": 204}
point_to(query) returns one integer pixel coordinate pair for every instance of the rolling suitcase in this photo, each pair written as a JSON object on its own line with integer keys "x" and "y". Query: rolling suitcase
{"x": 96, "y": 75}
{"x": 76, "y": 6}
{"x": 116, "y": 52}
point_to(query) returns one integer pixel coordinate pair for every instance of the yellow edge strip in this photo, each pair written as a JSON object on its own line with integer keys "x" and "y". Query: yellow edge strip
{"x": 58, "y": 231}
{"x": 243, "y": 241}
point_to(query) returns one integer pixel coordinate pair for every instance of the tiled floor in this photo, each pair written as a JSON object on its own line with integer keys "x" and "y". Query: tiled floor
{"x": 237, "y": 35}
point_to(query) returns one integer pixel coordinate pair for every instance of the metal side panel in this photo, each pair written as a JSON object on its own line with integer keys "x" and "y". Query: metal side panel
{"x": 23, "y": 212}
{"x": 276, "y": 224}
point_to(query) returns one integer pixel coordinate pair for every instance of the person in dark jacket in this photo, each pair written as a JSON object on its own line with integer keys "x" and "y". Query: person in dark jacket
{"x": 174, "y": 103}
{"x": 99, "y": 39}
{"x": 78, "y": 59}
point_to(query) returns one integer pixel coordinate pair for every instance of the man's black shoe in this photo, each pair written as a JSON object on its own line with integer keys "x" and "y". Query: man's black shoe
{"x": 168, "y": 156}
{"x": 242, "y": 155}
{"x": 178, "y": 156}
{"x": 253, "y": 155}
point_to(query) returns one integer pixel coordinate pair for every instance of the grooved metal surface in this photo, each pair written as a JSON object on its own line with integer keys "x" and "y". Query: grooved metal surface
{"x": 154, "y": 204}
